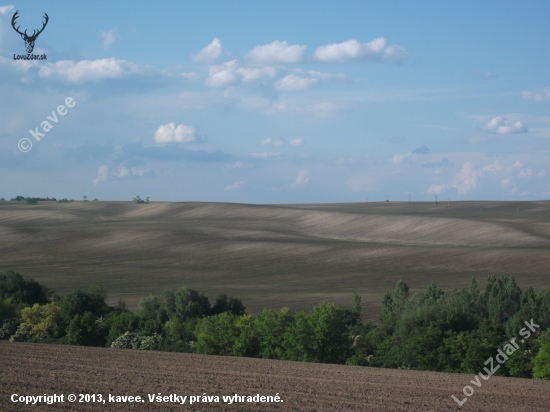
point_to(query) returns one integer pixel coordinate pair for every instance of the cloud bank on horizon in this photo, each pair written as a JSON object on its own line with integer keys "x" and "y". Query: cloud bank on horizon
{"x": 332, "y": 103}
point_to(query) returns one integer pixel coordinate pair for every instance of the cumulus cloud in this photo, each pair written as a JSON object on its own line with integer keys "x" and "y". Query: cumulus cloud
{"x": 294, "y": 82}
{"x": 230, "y": 73}
{"x": 102, "y": 173}
{"x": 398, "y": 158}
{"x": 526, "y": 174}
{"x": 537, "y": 95}
{"x": 353, "y": 51}
{"x": 296, "y": 142}
{"x": 132, "y": 172}
{"x": 234, "y": 186}
{"x": 436, "y": 189}
{"x": 168, "y": 133}
{"x": 236, "y": 165}
{"x": 256, "y": 73}
{"x": 265, "y": 155}
{"x": 223, "y": 75}
{"x": 505, "y": 182}
{"x": 210, "y": 52}
{"x": 89, "y": 70}
{"x": 493, "y": 167}
{"x": 466, "y": 180}
{"x": 395, "y": 53}
{"x": 301, "y": 179}
{"x": 276, "y": 52}
{"x": 501, "y": 125}
{"x": 6, "y": 9}
{"x": 322, "y": 109}
{"x": 108, "y": 38}
{"x": 273, "y": 142}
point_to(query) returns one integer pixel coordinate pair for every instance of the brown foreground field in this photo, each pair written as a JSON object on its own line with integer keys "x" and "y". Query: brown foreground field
{"x": 33, "y": 369}
{"x": 275, "y": 255}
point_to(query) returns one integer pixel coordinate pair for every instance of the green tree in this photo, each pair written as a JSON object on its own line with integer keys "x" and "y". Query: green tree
{"x": 217, "y": 335}
{"x": 270, "y": 327}
{"x": 541, "y": 363}
{"x": 19, "y": 290}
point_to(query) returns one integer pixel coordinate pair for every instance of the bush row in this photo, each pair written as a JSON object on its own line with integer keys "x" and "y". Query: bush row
{"x": 433, "y": 330}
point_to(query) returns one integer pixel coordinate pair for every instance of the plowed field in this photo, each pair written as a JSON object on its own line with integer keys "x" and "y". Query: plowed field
{"x": 275, "y": 255}
{"x": 31, "y": 369}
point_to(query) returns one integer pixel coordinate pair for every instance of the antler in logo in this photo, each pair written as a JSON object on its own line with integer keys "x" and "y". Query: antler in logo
{"x": 29, "y": 40}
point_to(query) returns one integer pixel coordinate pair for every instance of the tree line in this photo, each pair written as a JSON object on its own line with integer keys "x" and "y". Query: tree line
{"x": 433, "y": 330}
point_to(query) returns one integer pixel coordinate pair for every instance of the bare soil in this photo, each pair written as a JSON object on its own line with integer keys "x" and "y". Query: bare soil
{"x": 275, "y": 255}
{"x": 34, "y": 369}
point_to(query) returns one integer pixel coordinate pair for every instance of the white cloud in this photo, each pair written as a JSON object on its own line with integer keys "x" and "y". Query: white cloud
{"x": 276, "y": 52}
{"x": 236, "y": 165}
{"x": 322, "y": 109}
{"x": 273, "y": 142}
{"x": 6, "y": 9}
{"x": 168, "y": 133}
{"x": 493, "y": 167}
{"x": 466, "y": 180}
{"x": 223, "y": 75}
{"x": 538, "y": 95}
{"x": 296, "y": 142}
{"x": 102, "y": 173}
{"x": 398, "y": 158}
{"x": 108, "y": 38}
{"x": 123, "y": 171}
{"x": 501, "y": 125}
{"x": 505, "y": 182}
{"x": 395, "y": 53}
{"x": 526, "y": 174}
{"x": 89, "y": 70}
{"x": 301, "y": 179}
{"x": 234, "y": 186}
{"x": 353, "y": 51}
{"x": 256, "y": 73}
{"x": 265, "y": 155}
{"x": 210, "y": 52}
{"x": 294, "y": 82}
{"x": 436, "y": 189}
{"x": 542, "y": 173}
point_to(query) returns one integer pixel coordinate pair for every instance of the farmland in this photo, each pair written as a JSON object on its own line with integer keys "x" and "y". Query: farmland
{"x": 275, "y": 255}
{"x": 35, "y": 369}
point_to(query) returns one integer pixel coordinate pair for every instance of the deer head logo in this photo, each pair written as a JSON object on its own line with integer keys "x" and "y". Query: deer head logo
{"x": 29, "y": 40}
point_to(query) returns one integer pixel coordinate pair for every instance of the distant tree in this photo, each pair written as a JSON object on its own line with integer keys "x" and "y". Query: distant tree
{"x": 217, "y": 335}
{"x": 185, "y": 303}
{"x": 541, "y": 363}
{"x": 19, "y": 290}
{"x": 85, "y": 198}
{"x": 226, "y": 303}
{"x": 96, "y": 200}
{"x": 41, "y": 321}
{"x": 78, "y": 302}
{"x": 87, "y": 330}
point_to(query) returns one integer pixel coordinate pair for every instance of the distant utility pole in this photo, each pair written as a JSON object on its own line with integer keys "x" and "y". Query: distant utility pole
{"x": 448, "y": 201}
{"x": 436, "y": 199}
{"x": 409, "y": 198}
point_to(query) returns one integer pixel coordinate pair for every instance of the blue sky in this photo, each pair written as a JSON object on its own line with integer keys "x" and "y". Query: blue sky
{"x": 278, "y": 102}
